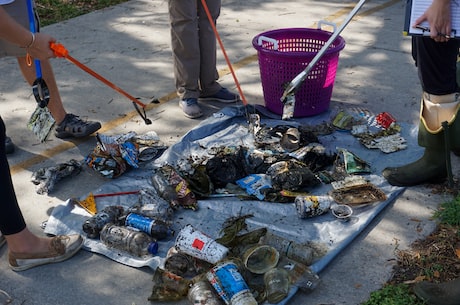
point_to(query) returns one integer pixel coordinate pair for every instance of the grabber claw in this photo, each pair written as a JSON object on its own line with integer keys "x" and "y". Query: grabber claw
{"x": 60, "y": 51}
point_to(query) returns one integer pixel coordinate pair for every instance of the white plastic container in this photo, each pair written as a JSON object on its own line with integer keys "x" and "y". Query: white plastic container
{"x": 197, "y": 244}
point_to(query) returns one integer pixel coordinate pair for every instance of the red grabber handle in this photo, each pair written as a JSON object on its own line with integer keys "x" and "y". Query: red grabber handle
{"x": 61, "y": 51}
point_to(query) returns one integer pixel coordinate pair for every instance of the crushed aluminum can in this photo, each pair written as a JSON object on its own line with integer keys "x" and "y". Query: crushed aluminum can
{"x": 310, "y": 206}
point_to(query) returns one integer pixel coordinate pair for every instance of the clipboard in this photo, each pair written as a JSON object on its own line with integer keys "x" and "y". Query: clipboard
{"x": 416, "y": 8}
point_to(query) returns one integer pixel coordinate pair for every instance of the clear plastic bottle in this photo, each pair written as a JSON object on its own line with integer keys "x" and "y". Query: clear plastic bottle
{"x": 300, "y": 275}
{"x": 128, "y": 240}
{"x": 156, "y": 228}
{"x": 276, "y": 284}
{"x": 164, "y": 189}
{"x": 110, "y": 214}
{"x": 300, "y": 252}
{"x": 152, "y": 205}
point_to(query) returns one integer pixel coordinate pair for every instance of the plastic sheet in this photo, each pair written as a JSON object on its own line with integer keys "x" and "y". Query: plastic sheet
{"x": 225, "y": 128}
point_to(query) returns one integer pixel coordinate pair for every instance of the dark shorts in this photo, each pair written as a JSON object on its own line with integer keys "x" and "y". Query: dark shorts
{"x": 17, "y": 10}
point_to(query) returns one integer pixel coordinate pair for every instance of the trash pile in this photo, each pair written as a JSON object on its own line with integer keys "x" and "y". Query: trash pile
{"x": 238, "y": 268}
{"x": 114, "y": 155}
{"x": 269, "y": 168}
{"x": 284, "y": 161}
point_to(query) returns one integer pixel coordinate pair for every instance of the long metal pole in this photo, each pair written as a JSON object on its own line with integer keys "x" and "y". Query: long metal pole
{"x": 300, "y": 78}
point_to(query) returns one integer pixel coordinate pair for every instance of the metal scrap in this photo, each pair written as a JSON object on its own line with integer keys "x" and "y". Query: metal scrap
{"x": 358, "y": 195}
{"x": 47, "y": 178}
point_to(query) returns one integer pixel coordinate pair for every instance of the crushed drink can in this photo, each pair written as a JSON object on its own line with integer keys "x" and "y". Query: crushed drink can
{"x": 310, "y": 206}
{"x": 230, "y": 285}
{"x": 201, "y": 293}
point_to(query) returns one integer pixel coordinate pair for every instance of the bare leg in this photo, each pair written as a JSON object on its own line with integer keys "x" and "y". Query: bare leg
{"x": 55, "y": 105}
{"x": 26, "y": 242}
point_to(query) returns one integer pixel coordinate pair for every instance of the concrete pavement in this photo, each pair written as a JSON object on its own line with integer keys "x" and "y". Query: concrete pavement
{"x": 129, "y": 45}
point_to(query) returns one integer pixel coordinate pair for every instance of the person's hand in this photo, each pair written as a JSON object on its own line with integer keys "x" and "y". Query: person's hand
{"x": 438, "y": 16}
{"x": 40, "y": 46}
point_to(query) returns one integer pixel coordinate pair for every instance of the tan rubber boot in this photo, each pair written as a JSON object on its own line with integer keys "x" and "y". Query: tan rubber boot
{"x": 447, "y": 293}
{"x": 432, "y": 166}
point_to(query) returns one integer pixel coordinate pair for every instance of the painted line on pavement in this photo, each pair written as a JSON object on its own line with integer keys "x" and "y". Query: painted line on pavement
{"x": 64, "y": 146}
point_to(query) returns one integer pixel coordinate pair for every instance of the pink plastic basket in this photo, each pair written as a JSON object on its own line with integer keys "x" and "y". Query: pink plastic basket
{"x": 285, "y": 53}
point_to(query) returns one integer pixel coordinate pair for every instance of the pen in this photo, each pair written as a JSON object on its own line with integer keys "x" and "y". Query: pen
{"x": 426, "y": 29}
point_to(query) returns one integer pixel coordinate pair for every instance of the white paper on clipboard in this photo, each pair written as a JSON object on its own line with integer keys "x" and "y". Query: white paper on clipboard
{"x": 416, "y": 8}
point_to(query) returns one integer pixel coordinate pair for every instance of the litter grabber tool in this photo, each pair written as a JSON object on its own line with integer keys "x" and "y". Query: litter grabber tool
{"x": 288, "y": 97}
{"x": 41, "y": 122}
{"x": 61, "y": 51}
{"x": 39, "y": 87}
{"x": 89, "y": 203}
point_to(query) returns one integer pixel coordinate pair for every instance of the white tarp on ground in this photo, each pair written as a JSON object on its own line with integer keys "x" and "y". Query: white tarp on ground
{"x": 229, "y": 128}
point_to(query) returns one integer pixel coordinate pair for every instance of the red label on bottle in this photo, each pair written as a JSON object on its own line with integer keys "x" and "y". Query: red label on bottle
{"x": 199, "y": 244}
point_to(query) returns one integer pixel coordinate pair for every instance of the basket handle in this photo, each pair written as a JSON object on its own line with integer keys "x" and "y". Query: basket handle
{"x": 274, "y": 41}
{"x": 321, "y": 22}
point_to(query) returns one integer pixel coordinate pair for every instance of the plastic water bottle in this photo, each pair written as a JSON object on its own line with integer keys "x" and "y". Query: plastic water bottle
{"x": 156, "y": 228}
{"x": 110, "y": 214}
{"x": 300, "y": 275}
{"x": 152, "y": 205}
{"x": 128, "y": 240}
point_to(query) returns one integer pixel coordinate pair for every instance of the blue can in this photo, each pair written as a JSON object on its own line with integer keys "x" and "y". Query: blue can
{"x": 227, "y": 281}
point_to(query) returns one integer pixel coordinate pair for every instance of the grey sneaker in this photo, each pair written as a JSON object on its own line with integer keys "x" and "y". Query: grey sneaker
{"x": 9, "y": 146}
{"x": 73, "y": 126}
{"x": 190, "y": 108}
{"x": 223, "y": 96}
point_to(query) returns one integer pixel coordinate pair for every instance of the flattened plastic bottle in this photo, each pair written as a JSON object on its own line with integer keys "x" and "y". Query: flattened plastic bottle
{"x": 164, "y": 189}
{"x": 152, "y": 205}
{"x": 128, "y": 240}
{"x": 110, "y": 214}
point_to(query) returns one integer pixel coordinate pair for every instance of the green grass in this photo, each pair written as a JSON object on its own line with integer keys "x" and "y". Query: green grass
{"x": 53, "y": 11}
{"x": 449, "y": 212}
{"x": 393, "y": 295}
{"x": 401, "y": 294}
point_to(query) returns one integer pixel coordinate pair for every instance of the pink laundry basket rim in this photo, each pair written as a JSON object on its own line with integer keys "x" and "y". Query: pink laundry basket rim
{"x": 301, "y": 33}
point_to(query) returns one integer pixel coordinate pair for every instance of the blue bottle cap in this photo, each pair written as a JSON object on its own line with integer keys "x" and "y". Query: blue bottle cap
{"x": 153, "y": 248}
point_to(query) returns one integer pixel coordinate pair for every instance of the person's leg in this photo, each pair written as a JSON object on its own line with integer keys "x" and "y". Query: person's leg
{"x": 186, "y": 54}
{"x": 211, "y": 90}
{"x": 12, "y": 223}
{"x": 208, "y": 47}
{"x": 436, "y": 63}
{"x": 26, "y": 250}
{"x": 68, "y": 125}
{"x": 55, "y": 105}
